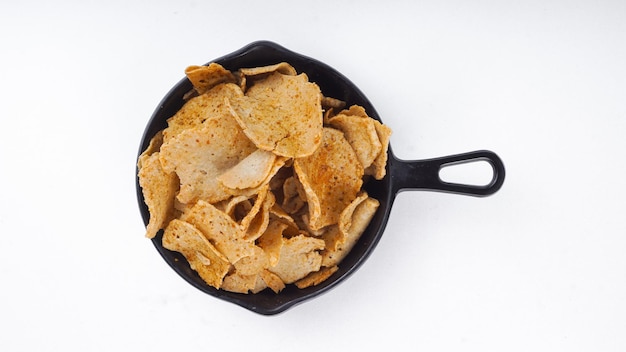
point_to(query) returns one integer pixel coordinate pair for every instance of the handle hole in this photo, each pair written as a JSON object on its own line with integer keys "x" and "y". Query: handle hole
{"x": 474, "y": 172}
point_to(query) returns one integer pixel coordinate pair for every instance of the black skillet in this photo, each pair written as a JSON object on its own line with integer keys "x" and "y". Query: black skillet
{"x": 401, "y": 175}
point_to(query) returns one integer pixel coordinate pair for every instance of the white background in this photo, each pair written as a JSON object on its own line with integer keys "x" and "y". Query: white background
{"x": 540, "y": 266}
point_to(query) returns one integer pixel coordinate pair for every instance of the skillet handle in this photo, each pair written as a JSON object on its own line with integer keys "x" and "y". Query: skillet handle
{"x": 425, "y": 174}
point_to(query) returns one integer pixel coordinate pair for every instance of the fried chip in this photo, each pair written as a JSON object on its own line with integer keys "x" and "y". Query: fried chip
{"x": 315, "y": 278}
{"x": 256, "y": 225}
{"x": 199, "y": 155}
{"x": 278, "y": 164}
{"x": 378, "y": 167}
{"x": 250, "y": 171}
{"x": 223, "y": 232}
{"x": 198, "y": 109}
{"x": 298, "y": 257}
{"x": 278, "y": 213}
{"x": 361, "y": 134}
{"x": 345, "y": 218}
{"x": 260, "y": 284}
{"x": 253, "y": 263}
{"x": 355, "y": 110}
{"x": 333, "y": 238}
{"x": 159, "y": 190}
{"x": 235, "y": 207}
{"x": 202, "y": 256}
{"x": 272, "y": 281}
{"x": 153, "y": 147}
{"x": 254, "y": 210}
{"x": 360, "y": 220}
{"x": 282, "y": 114}
{"x": 239, "y": 283}
{"x": 331, "y": 178}
{"x": 272, "y": 240}
{"x": 336, "y": 235}
{"x": 282, "y": 67}
{"x": 332, "y": 103}
{"x": 203, "y": 78}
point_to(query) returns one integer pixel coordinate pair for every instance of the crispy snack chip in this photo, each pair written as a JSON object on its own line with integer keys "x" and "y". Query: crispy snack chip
{"x": 198, "y": 109}
{"x": 203, "y": 78}
{"x": 250, "y": 171}
{"x": 361, "y": 134}
{"x": 360, "y": 219}
{"x": 298, "y": 258}
{"x": 210, "y": 264}
{"x": 272, "y": 240}
{"x": 240, "y": 283}
{"x": 153, "y": 147}
{"x": 201, "y": 154}
{"x": 159, "y": 190}
{"x": 314, "y": 279}
{"x": 378, "y": 167}
{"x": 282, "y": 67}
{"x": 331, "y": 178}
{"x": 257, "y": 180}
{"x": 282, "y": 114}
{"x": 220, "y": 229}
{"x": 255, "y": 225}
{"x": 254, "y": 263}
{"x": 272, "y": 281}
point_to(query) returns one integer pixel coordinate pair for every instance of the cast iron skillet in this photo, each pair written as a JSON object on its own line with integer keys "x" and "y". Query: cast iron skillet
{"x": 401, "y": 175}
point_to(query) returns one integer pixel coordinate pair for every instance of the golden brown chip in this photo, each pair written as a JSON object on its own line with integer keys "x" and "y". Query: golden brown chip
{"x": 316, "y": 278}
{"x": 235, "y": 207}
{"x": 272, "y": 281}
{"x": 298, "y": 257}
{"x": 198, "y": 109}
{"x": 203, "y": 78}
{"x": 333, "y": 238}
{"x": 278, "y": 213}
{"x": 220, "y": 229}
{"x": 159, "y": 191}
{"x": 355, "y": 110}
{"x": 361, "y": 134}
{"x": 210, "y": 264}
{"x": 258, "y": 202}
{"x": 283, "y": 67}
{"x": 253, "y": 227}
{"x": 282, "y": 114}
{"x": 260, "y": 284}
{"x": 272, "y": 241}
{"x": 360, "y": 220}
{"x": 331, "y": 178}
{"x": 304, "y": 223}
{"x": 345, "y": 218}
{"x": 200, "y": 154}
{"x": 378, "y": 167}
{"x": 154, "y": 146}
{"x": 279, "y": 162}
{"x": 254, "y": 263}
{"x": 250, "y": 171}
{"x": 239, "y": 283}
{"x": 332, "y": 103}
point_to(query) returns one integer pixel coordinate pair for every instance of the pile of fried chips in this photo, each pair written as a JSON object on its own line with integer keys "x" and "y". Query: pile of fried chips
{"x": 257, "y": 180}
